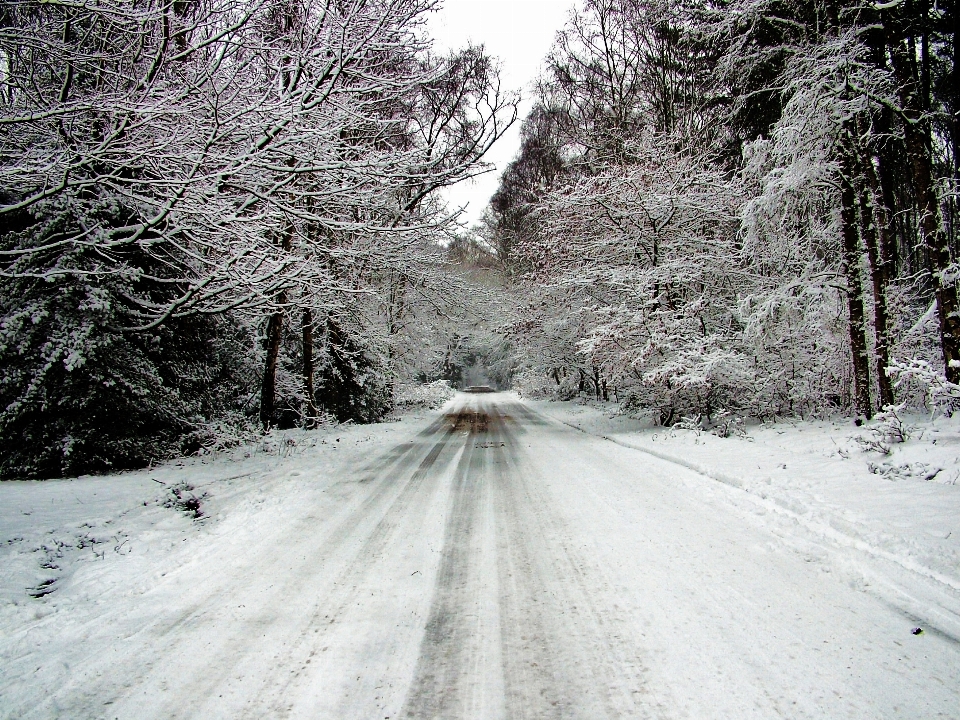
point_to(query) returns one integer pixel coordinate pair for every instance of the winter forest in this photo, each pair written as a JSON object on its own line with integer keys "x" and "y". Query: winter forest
{"x": 219, "y": 217}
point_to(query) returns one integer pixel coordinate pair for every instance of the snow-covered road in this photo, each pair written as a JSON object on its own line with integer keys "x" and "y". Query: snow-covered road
{"x": 493, "y": 563}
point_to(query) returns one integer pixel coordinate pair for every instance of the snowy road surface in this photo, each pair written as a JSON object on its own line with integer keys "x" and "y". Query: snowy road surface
{"x": 492, "y": 564}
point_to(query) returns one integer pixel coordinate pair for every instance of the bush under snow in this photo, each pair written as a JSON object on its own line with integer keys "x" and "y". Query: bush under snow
{"x": 429, "y": 396}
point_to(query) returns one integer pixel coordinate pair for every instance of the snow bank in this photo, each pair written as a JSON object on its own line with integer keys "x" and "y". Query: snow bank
{"x": 430, "y": 396}
{"x": 888, "y": 516}
{"x": 75, "y": 553}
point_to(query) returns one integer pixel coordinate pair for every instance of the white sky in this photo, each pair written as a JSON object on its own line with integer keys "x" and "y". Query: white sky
{"x": 517, "y": 32}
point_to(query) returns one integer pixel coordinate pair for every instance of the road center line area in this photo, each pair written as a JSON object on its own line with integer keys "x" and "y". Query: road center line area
{"x": 493, "y": 563}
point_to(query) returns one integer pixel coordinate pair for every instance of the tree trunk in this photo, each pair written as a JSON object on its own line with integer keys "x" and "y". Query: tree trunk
{"x": 396, "y": 304}
{"x": 268, "y": 388}
{"x": 851, "y": 269}
{"x": 956, "y": 91}
{"x": 310, "y": 411}
{"x": 954, "y": 107}
{"x": 886, "y": 177}
{"x": 873, "y": 226}
{"x": 919, "y": 144}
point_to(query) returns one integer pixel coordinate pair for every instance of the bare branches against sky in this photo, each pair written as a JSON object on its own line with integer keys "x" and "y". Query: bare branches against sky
{"x": 517, "y": 32}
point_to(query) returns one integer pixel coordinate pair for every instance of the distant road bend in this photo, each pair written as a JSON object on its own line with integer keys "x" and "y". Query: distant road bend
{"x": 499, "y": 564}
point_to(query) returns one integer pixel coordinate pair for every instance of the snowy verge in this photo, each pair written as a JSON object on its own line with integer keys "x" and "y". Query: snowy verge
{"x": 429, "y": 396}
{"x": 891, "y": 521}
{"x": 71, "y": 546}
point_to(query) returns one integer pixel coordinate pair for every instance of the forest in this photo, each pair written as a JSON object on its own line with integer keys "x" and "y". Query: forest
{"x": 223, "y": 217}
{"x": 745, "y": 207}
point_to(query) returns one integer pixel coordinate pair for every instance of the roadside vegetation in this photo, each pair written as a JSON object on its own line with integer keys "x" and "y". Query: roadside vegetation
{"x": 223, "y": 217}
{"x": 743, "y": 207}
{"x": 220, "y": 217}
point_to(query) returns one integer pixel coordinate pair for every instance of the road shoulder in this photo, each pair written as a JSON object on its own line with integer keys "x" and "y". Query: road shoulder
{"x": 901, "y": 533}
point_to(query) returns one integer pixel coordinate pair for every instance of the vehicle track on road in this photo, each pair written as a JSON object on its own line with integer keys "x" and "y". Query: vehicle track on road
{"x": 387, "y": 490}
{"x": 498, "y": 565}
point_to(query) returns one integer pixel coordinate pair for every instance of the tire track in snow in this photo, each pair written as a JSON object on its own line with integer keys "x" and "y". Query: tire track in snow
{"x": 565, "y": 656}
{"x": 448, "y": 643}
{"x": 531, "y": 689}
{"x": 496, "y": 663}
{"x": 344, "y": 587}
{"x": 172, "y": 659}
{"x": 345, "y": 590}
{"x": 556, "y": 651}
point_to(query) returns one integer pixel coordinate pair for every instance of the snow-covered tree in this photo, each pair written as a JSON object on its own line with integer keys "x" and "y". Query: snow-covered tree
{"x": 168, "y": 160}
{"x": 799, "y": 277}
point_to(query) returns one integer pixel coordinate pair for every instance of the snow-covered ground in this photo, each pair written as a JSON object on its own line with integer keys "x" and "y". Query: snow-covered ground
{"x": 488, "y": 561}
{"x": 891, "y": 522}
{"x": 82, "y": 557}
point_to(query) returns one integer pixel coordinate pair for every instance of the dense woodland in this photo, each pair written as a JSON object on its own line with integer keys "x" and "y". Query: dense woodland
{"x": 219, "y": 217}
{"x": 746, "y": 206}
